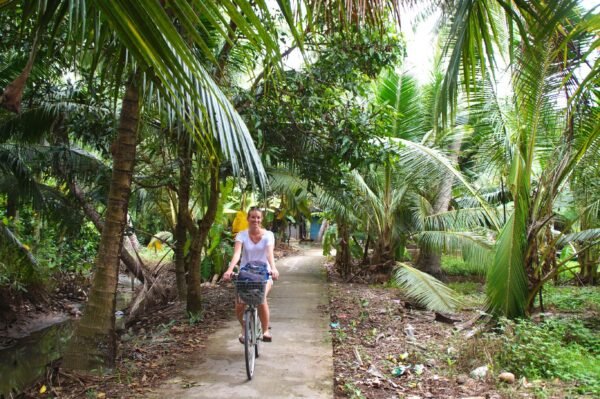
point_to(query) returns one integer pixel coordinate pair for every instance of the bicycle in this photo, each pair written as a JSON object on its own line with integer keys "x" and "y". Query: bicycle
{"x": 252, "y": 293}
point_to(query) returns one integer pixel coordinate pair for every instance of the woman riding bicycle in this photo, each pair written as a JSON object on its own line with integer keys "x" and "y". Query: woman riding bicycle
{"x": 255, "y": 245}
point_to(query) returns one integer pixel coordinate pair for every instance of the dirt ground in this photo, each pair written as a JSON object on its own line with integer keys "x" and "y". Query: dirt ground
{"x": 386, "y": 348}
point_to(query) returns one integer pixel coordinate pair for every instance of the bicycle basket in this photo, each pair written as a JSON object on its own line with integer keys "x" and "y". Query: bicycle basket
{"x": 251, "y": 292}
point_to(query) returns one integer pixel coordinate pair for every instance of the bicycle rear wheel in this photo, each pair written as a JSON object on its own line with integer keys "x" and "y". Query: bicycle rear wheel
{"x": 250, "y": 341}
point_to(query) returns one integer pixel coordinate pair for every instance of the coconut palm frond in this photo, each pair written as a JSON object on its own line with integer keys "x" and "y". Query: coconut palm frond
{"x": 34, "y": 123}
{"x": 14, "y": 251}
{"x": 18, "y": 174}
{"x": 473, "y": 246}
{"x": 61, "y": 209}
{"x": 401, "y": 94}
{"x": 506, "y": 279}
{"x": 365, "y": 191}
{"x": 400, "y": 198}
{"x": 283, "y": 180}
{"x": 148, "y": 32}
{"x": 425, "y": 289}
{"x": 336, "y": 204}
{"x": 590, "y": 235}
{"x": 459, "y": 219}
{"x": 475, "y": 35}
{"x": 493, "y": 195}
{"x": 416, "y": 151}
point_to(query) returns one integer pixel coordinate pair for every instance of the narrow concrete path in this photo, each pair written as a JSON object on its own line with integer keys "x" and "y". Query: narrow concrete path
{"x": 297, "y": 364}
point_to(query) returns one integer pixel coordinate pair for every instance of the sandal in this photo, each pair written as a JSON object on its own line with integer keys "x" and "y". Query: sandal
{"x": 267, "y": 338}
{"x": 242, "y": 339}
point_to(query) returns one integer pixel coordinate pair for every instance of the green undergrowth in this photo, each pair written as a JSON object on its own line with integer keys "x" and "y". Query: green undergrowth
{"x": 165, "y": 254}
{"x": 570, "y": 298}
{"x": 555, "y": 348}
{"x": 470, "y": 293}
{"x": 556, "y": 356}
{"x": 456, "y": 266}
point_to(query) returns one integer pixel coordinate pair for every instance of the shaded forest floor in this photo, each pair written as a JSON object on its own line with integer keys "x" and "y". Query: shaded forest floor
{"x": 384, "y": 347}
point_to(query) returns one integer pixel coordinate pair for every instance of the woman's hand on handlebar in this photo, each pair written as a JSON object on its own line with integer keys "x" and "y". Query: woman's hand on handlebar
{"x": 275, "y": 274}
{"x": 227, "y": 275}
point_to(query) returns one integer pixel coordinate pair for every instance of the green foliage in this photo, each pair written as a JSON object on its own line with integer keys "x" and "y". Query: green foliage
{"x": 316, "y": 118}
{"x": 18, "y": 267}
{"x": 563, "y": 349}
{"x": 51, "y": 247}
{"x": 329, "y": 239}
{"x": 195, "y": 317}
{"x": 353, "y": 391}
{"x": 470, "y": 294}
{"x": 349, "y": 58}
{"x": 456, "y": 266}
{"x": 571, "y": 299}
{"x": 155, "y": 255}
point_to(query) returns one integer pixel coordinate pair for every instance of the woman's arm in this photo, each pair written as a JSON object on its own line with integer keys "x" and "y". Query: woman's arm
{"x": 271, "y": 260}
{"x": 237, "y": 251}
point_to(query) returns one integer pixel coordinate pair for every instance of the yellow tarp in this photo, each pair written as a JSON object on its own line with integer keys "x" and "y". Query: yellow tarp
{"x": 240, "y": 222}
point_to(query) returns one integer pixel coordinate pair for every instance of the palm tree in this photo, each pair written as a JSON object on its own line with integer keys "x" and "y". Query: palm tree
{"x": 545, "y": 146}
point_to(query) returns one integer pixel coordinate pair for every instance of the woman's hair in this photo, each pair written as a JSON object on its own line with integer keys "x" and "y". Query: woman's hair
{"x": 256, "y": 209}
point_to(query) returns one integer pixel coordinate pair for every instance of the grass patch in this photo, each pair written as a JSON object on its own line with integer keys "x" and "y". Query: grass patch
{"x": 456, "y": 266}
{"x": 471, "y": 293}
{"x": 571, "y": 298}
{"x": 570, "y": 272}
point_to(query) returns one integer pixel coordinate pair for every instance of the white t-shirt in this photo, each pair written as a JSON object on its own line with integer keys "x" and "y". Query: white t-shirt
{"x": 252, "y": 252}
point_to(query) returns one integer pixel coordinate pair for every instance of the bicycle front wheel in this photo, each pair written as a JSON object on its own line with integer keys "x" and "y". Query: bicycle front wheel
{"x": 259, "y": 334}
{"x": 249, "y": 342}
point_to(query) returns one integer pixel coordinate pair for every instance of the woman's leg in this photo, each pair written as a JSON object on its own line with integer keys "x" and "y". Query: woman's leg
{"x": 240, "y": 307}
{"x": 263, "y": 311}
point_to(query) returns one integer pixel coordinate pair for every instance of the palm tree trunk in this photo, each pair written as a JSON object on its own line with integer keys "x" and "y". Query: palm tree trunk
{"x": 322, "y": 230}
{"x": 429, "y": 261}
{"x": 588, "y": 261}
{"x": 92, "y": 214}
{"x": 343, "y": 256}
{"x": 93, "y": 345}
{"x": 183, "y": 200}
{"x": 589, "y": 257}
{"x": 194, "y": 295}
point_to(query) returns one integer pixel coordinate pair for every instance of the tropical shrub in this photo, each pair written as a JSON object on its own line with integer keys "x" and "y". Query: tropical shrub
{"x": 564, "y": 349}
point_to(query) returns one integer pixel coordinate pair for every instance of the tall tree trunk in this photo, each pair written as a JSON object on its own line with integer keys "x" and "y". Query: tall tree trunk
{"x": 12, "y": 206}
{"x": 92, "y": 214}
{"x": 589, "y": 257}
{"x": 194, "y": 297}
{"x": 588, "y": 261}
{"x": 93, "y": 345}
{"x": 343, "y": 256}
{"x": 183, "y": 203}
{"x": 322, "y": 230}
{"x": 429, "y": 261}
